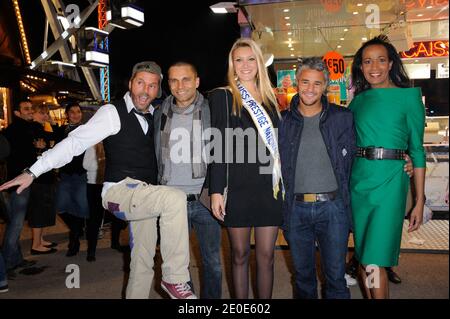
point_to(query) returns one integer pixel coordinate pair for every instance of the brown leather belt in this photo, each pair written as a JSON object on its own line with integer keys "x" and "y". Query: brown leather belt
{"x": 380, "y": 153}
{"x": 315, "y": 197}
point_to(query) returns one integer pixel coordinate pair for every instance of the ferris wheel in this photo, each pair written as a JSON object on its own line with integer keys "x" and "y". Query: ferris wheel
{"x": 79, "y": 44}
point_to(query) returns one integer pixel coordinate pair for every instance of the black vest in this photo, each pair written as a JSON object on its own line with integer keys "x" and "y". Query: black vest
{"x": 130, "y": 152}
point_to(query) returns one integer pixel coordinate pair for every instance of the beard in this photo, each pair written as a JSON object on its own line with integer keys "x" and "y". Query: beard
{"x": 309, "y": 103}
{"x": 136, "y": 101}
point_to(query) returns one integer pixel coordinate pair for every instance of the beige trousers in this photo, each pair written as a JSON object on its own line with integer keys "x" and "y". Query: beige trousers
{"x": 141, "y": 204}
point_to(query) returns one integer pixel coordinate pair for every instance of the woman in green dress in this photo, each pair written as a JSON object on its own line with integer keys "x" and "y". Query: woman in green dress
{"x": 390, "y": 115}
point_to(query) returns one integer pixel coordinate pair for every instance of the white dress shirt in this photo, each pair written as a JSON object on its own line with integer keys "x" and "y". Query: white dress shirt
{"x": 105, "y": 122}
{"x": 94, "y": 164}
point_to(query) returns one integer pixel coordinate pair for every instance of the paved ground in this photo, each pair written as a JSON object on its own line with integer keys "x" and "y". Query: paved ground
{"x": 424, "y": 275}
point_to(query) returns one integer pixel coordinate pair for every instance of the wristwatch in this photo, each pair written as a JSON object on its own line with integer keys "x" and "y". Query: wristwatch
{"x": 27, "y": 171}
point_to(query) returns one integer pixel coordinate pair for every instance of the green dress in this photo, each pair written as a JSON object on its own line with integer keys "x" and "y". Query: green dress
{"x": 390, "y": 118}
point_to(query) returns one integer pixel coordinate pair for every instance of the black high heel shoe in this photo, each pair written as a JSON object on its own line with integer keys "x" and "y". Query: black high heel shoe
{"x": 393, "y": 276}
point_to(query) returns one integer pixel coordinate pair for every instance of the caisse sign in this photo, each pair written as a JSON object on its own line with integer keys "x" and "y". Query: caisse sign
{"x": 427, "y": 49}
{"x": 336, "y": 64}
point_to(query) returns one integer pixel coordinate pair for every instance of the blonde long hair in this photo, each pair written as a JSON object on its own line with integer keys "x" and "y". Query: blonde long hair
{"x": 262, "y": 78}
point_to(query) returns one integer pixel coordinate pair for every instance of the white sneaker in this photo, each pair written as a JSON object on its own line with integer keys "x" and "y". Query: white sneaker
{"x": 350, "y": 280}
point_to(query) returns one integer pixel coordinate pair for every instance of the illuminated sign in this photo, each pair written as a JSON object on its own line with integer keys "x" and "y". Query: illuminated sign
{"x": 335, "y": 63}
{"x": 422, "y": 4}
{"x": 427, "y": 49}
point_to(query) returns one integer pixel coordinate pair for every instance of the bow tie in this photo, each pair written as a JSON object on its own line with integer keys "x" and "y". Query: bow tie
{"x": 148, "y": 116}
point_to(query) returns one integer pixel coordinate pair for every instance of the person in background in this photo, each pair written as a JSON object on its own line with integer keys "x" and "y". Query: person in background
{"x": 254, "y": 197}
{"x": 4, "y": 152}
{"x": 389, "y": 119}
{"x": 22, "y": 154}
{"x": 4, "y": 147}
{"x": 41, "y": 207}
{"x": 117, "y": 225}
{"x": 71, "y": 198}
{"x": 94, "y": 164}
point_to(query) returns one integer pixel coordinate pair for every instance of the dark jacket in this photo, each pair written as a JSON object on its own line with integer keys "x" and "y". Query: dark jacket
{"x": 4, "y": 147}
{"x": 22, "y": 151}
{"x": 338, "y": 132}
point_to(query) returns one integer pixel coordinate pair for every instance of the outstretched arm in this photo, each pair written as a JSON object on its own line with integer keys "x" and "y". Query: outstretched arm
{"x": 23, "y": 181}
{"x": 104, "y": 123}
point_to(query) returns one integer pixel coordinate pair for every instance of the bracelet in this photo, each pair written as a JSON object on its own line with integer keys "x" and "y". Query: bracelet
{"x": 27, "y": 171}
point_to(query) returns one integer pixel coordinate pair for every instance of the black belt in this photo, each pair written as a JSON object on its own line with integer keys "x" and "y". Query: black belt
{"x": 380, "y": 153}
{"x": 192, "y": 197}
{"x": 317, "y": 197}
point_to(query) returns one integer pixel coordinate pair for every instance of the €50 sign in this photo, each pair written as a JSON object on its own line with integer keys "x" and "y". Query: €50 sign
{"x": 335, "y": 63}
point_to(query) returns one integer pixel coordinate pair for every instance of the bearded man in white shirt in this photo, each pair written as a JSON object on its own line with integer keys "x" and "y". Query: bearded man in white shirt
{"x": 126, "y": 129}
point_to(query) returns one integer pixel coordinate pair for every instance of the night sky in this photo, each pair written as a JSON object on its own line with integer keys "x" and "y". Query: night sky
{"x": 173, "y": 31}
{"x": 177, "y": 30}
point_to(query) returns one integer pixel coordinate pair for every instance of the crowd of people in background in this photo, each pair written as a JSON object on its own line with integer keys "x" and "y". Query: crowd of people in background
{"x": 63, "y": 192}
{"x": 318, "y": 171}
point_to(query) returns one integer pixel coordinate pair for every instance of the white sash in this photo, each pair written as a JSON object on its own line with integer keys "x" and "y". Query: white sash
{"x": 266, "y": 131}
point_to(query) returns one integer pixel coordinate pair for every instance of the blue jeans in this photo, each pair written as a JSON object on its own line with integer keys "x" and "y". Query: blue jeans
{"x": 71, "y": 195}
{"x": 208, "y": 233}
{"x": 328, "y": 224}
{"x": 17, "y": 209}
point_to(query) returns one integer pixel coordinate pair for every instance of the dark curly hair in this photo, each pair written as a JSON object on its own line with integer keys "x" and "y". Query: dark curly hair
{"x": 397, "y": 74}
